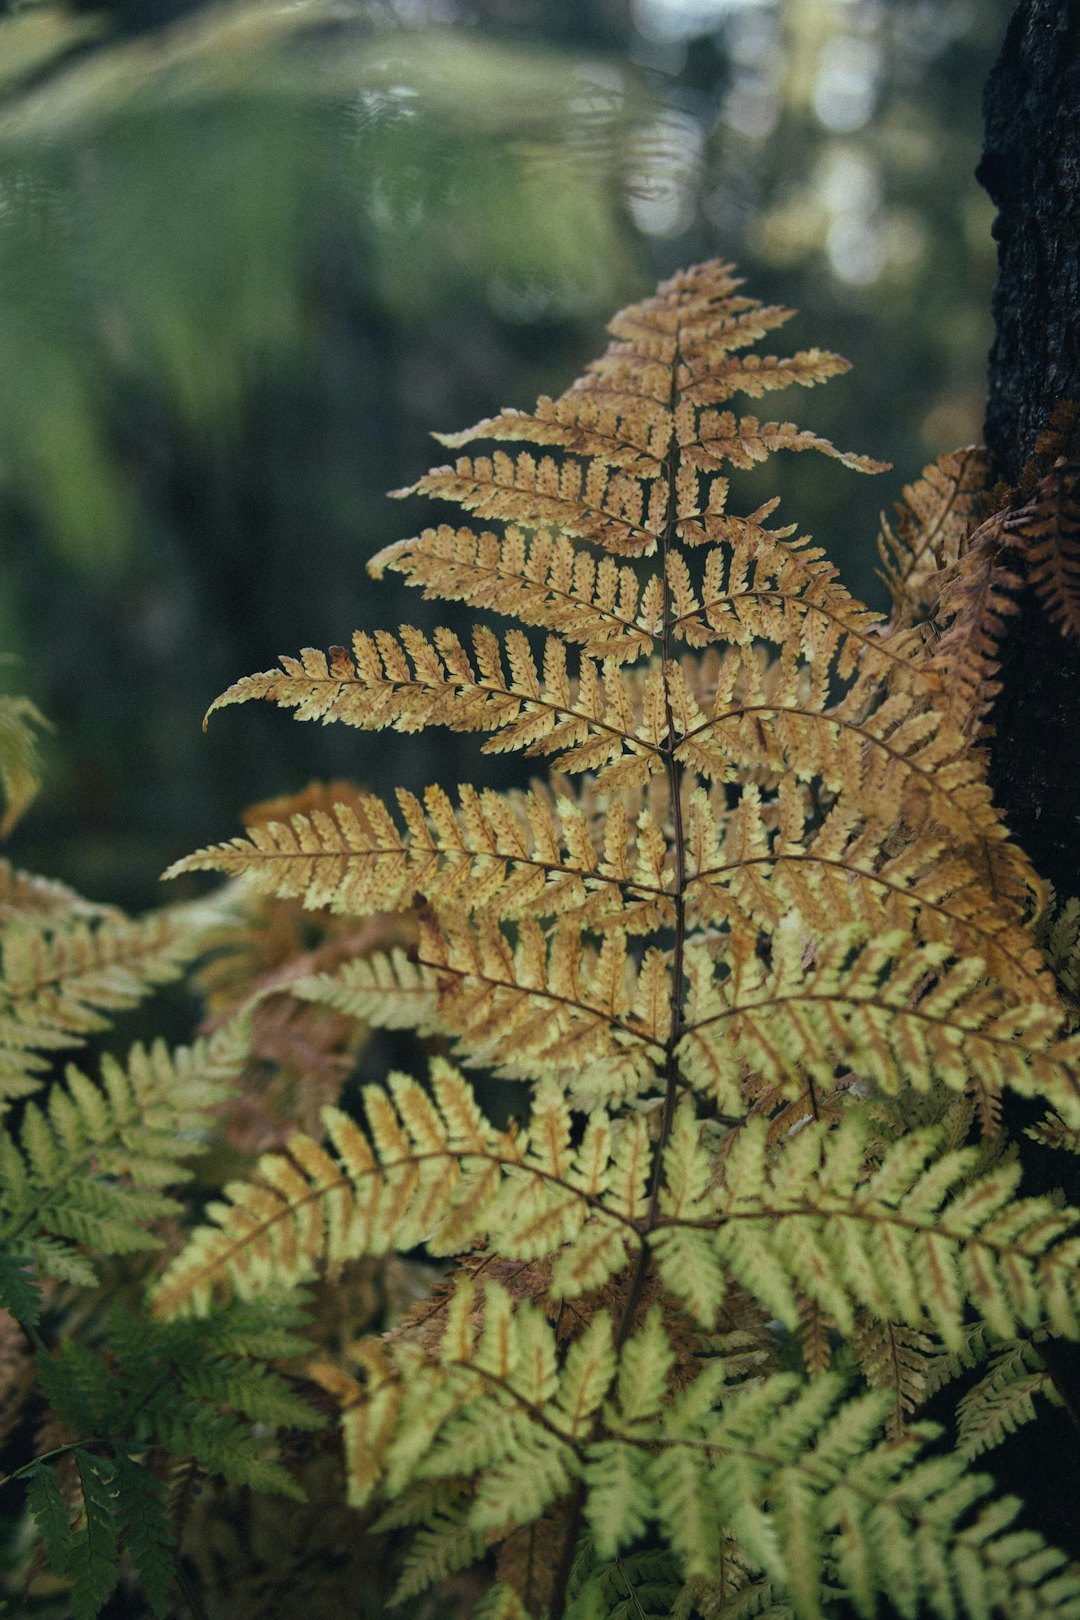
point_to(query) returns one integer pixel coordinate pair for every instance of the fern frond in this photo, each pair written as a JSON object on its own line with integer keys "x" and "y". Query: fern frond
{"x": 534, "y": 1004}
{"x": 754, "y": 374}
{"x": 413, "y": 682}
{"x": 194, "y": 1389}
{"x": 387, "y": 990}
{"x": 443, "y": 1544}
{"x": 910, "y": 1233}
{"x": 540, "y": 579}
{"x": 789, "y": 1470}
{"x": 769, "y": 857}
{"x": 762, "y": 963}
{"x": 61, "y": 976}
{"x": 614, "y": 509}
{"x": 937, "y": 514}
{"x": 93, "y": 1556}
{"x": 761, "y": 584}
{"x": 720, "y": 438}
{"x": 1047, "y": 532}
{"x": 976, "y": 595}
{"x": 893, "y": 1012}
{"x": 548, "y": 1001}
{"x": 638, "y": 1586}
{"x": 145, "y": 1531}
{"x": 1059, "y": 938}
{"x": 88, "y": 1171}
{"x": 20, "y": 774}
{"x": 26, "y": 896}
{"x": 497, "y": 855}
{"x": 1004, "y": 1398}
{"x": 900, "y": 1361}
{"x": 896, "y": 755}
{"x": 634, "y": 438}
{"x": 431, "y": 1171}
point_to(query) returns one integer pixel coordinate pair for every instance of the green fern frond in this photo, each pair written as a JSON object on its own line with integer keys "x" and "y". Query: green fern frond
{"x": 175, "y": 1385}
{"x": 443, "y": 1544}
{"x": 1004, "y": 1398}
{"x": 46, "y": 1502}
{"x": 186, "y": 1388}
{"x": 62, "y": 976}
{"x": 93, "y": 1559}
{"x": 88, "y": 1172}
{"x": 20, "y": 772}
{"x": 145, "y": 1531}
{"x": 639, "y": 1586}
{"x": 789, "y": 1469}
{"x": 907, "y": 1232}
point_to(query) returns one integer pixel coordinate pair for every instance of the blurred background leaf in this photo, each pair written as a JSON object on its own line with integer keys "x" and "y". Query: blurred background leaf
{"x": 250, "y": 255}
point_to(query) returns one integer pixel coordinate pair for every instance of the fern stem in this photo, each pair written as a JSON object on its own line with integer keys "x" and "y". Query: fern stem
{"x": 47, "y": 1456}
{"x": 576, "y": 1505}
{"x": 674, "y": 780}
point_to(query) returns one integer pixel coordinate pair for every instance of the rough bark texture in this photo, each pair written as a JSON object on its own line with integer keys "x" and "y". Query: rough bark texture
{"x": 1031, "y": 168}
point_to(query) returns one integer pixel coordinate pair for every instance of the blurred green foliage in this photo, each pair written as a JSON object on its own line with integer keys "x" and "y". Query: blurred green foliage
{"x": 251, "y": 255}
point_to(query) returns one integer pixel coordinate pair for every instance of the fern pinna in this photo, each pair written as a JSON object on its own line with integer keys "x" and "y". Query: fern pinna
{"x": 764, "y": 949}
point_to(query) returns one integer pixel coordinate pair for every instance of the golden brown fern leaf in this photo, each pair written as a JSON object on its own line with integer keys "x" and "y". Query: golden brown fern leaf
{"x": 976, "y": 594}
{"x": 798, "y": 762}
{"x": 679, "y": 348}
{"x": 933, "y": 521}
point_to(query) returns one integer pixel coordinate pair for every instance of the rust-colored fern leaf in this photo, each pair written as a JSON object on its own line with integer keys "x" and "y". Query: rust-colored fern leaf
{"x": 1047, "y": 532}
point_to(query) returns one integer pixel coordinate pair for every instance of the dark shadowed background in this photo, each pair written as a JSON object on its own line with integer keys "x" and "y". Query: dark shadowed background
{"x": 250, "y": 255}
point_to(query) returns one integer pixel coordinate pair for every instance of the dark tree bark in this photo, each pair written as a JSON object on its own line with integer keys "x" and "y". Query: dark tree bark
{"x": 1031, "y": 168}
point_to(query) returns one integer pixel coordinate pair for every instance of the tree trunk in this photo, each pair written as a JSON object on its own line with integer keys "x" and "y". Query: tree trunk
{"x": 1031, "y": 168}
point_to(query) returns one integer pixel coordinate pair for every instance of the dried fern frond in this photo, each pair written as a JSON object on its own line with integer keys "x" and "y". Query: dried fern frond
{"x": 497, "y": 855}
{"x": 539, "y": 579}
{"x": 894, "y": 1013}
{"x": 938, "y": 513}
{"x": 976, "y": 594}
{"x": 1046, "y": 531}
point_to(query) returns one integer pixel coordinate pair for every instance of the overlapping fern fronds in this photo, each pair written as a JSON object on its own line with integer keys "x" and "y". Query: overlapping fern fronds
{"x": 86, "y": 1175}
{"x": 196, "y": 1390}
{"x": 67, "y": 965}
{"x": 765, "y": 949}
